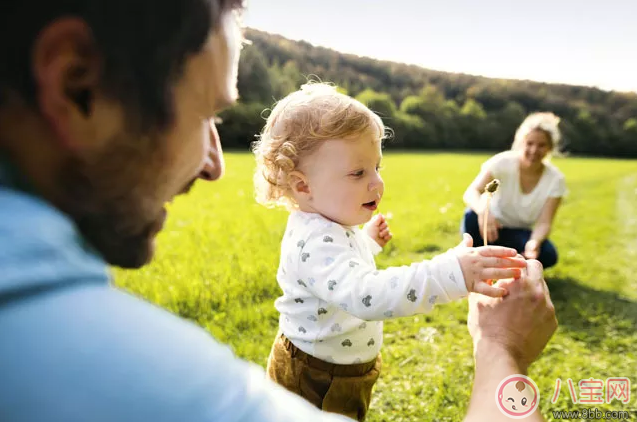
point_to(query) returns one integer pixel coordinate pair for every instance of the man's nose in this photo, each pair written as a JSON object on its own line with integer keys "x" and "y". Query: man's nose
{"x": 214, "y": 164}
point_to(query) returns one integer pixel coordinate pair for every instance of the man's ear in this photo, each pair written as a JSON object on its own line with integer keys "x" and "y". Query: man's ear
{"x": 66, "y": 68}
{"x": 299, "y": 184}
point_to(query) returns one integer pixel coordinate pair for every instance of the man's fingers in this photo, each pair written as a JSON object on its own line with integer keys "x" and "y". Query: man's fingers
{"x": 533, "y": 273}
{"x": 535, "y": 270}
{"x": 531, "y": 279}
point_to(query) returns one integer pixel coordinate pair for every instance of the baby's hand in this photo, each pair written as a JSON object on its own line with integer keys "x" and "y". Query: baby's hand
{"x": 479, "y": 265}
{"x": 378, "y": 229}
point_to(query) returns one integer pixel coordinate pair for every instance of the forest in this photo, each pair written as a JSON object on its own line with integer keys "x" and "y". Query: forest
{"x": 428, "y": 109}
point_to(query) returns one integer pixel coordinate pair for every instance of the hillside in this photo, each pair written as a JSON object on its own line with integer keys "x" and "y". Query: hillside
{"x": 429, "y": 109}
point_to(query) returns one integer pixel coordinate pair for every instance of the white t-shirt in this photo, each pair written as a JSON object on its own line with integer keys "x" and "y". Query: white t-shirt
{"x": 511, "y": 207}
{"x": 334, "y": 299}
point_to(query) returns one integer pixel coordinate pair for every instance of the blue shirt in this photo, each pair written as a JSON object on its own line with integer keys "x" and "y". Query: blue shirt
{"x": 74, "y": 349}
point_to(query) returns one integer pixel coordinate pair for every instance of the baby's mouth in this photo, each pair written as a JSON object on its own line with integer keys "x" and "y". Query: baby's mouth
{"x": 372, "y": 205}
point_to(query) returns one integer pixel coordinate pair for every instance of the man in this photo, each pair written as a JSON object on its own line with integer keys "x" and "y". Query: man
{"x": 106, "y": 111}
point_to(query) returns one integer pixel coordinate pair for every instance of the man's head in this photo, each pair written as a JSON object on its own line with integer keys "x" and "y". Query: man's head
{"x": 106, "y": 107}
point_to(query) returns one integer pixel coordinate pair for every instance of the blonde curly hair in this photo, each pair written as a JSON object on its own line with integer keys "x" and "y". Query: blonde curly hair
{"x": 548, "y": 123}
{"x": 296, "y": 128}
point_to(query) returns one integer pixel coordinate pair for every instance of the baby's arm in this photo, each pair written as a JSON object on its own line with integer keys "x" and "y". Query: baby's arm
{"x": 332, "y": 271}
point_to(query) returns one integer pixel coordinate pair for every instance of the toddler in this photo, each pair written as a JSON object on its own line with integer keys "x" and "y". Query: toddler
{"x": 319, "y": 156}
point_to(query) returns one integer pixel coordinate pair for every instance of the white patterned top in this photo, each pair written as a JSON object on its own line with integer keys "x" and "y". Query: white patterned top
{"x": 334, "y": 299}
{"x": 510, "y": 206}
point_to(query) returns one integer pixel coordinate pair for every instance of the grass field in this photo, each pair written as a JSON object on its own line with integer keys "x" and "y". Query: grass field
{"x": 218, "y": 255}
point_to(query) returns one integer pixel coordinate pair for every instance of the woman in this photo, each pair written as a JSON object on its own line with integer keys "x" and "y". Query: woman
{"x": 523, "y": 208}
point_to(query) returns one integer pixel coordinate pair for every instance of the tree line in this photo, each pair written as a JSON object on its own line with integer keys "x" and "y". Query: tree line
{"x": 428, "y": 109}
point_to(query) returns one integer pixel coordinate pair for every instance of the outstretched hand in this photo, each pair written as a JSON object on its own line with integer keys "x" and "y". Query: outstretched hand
{"x": 479, "y": 265}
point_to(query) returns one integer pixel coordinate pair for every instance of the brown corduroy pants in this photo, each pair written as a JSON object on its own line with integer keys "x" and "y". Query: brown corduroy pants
{"x": 343, "y": 389}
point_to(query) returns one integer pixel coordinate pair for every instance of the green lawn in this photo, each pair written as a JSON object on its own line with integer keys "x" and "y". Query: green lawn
{"x": 218, "y": 255}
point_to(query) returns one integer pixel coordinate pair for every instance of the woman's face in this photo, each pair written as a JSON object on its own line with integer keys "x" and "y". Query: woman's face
{"x": 535, "y": 146}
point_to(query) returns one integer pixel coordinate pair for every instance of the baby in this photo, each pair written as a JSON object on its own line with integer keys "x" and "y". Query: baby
{"x": 319, "y": 156}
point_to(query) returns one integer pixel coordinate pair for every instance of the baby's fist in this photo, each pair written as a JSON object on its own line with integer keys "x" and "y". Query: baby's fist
{"x": 378, "y": 229}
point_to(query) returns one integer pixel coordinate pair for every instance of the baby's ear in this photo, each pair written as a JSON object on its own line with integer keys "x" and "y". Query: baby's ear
{"x": 298, "y": 183}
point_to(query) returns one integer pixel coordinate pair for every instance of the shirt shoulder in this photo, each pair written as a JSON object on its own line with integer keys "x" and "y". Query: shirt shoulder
{"x": 500, "y": 163}
{"x": 304, "y": 227}
{"x": 556, "y": 182}
{"x": 554, "y": 172}
{"x": 133, "y": 360}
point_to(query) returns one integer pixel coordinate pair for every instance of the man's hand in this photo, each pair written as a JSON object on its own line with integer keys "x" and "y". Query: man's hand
{"x": 521, "y": 323}
{"x": 378, "y": 229}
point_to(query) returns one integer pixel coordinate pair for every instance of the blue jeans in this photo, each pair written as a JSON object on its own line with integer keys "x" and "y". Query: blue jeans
{"x": 511, "y": 238}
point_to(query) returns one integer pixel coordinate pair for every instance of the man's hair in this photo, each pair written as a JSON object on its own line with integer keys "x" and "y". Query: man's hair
{"x": 143, "y": 43}
{"x": 296, "y": 128}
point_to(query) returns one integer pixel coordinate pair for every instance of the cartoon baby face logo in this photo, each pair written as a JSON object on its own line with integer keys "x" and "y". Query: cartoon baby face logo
{"x": 517, "y": 396}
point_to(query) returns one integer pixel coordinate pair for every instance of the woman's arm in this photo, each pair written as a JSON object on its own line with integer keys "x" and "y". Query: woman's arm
{"x": 542, "y": 228}
{"x": 543, "y": 225}
{"x": 473, "y": 195}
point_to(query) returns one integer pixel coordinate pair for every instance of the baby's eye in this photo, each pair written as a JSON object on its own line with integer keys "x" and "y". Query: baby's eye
{"x": 379, "y": 167}
{"x": 358, "y": 173}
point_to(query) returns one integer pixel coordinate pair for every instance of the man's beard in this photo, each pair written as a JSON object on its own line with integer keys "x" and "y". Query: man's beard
{"x": 110, "y": 202}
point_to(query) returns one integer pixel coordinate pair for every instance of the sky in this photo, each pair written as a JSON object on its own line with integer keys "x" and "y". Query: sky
{"x": 585, "y": 42}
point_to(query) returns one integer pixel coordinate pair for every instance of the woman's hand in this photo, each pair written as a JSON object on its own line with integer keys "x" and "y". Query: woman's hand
{"x": 493, "y": 226}
{"x": 532, "y": 249}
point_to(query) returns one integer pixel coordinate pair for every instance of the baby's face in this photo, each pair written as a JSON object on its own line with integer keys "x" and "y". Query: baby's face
{"x": 517, "y": 402}
{"x": 344, "y": 181}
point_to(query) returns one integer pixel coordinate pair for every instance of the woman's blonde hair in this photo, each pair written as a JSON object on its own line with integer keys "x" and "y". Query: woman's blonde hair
{"x": 548, "y": 123}
{"x": 296, "y": 128}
